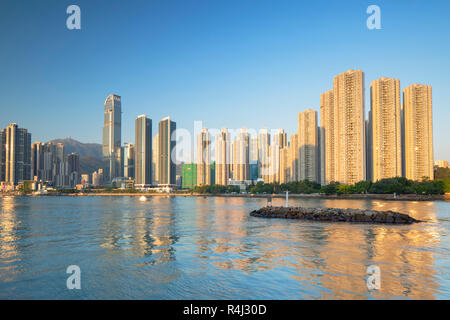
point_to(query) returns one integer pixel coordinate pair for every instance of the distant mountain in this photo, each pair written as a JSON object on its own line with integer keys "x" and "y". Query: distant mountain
{"x": 90, "y": 164}
{"x": 83, "y": 149}
{"x": 90, "y": 153}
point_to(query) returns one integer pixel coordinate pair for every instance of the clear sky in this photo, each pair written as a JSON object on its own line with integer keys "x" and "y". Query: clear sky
{"x": 233, "y": 63}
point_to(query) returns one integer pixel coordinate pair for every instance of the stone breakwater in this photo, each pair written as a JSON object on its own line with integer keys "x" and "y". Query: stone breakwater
{"x": 334, "y": 215}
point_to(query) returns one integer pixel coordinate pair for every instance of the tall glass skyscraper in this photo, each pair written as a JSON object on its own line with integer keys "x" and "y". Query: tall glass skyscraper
{"x": 15, "y": 155}
{"x": 112, "y": 160}
{"x": 129, "y": 161}
{"x": 143, "y": 151}
{"x": 167, "y": 168}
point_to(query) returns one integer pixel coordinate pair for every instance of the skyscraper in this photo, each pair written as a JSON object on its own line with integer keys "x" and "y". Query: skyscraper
{"x": 16, "y": 152}
{"x": 285, "y": 169}
{"x": 254, "y": 150}
{"x": 328, "y": 138}
{"x": 308, "y": 145}
{"x": 223, "y": 157}
{"x": 204, "y": 158}
{"x": 56, "y": 165}
{"x": 294, "y": 157}
{"x": 112, "y": 162}
{"x": 37, "y": 160}
{"x": 264, "y": 164}
{"x": 2, "y": 155}
{"x": 385, "y": 124}
{"x": 167, "y": 154}
{"x": 143, "y": 151}
{"x": 155, "y": 160}
{"x": 280, "y": 138}
{"x": 241, "y": 156}
{"x": 418, "y": 132}
{"x": 129, "y": 154}
{"x": 274, "y": 163}
{"x": 73, "y": 172}
{"x": 348, "y": 91}
{"x": 278, "y": 143}
{"x": 369, "y": 156}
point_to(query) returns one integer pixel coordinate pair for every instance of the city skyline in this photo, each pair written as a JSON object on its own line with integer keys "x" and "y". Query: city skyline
{"x": 270, "y": 71}
{"x": 396, "y": 140}
{"x": 232, "y": 150}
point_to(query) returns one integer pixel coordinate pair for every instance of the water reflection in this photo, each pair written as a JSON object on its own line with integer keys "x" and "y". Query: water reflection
{"x": 9, "y": 252}
{"x": 147, "y": 231}
{"x": 187, "y": 248}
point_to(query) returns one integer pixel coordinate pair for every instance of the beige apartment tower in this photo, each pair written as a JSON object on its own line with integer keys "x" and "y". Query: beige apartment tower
{"x": 264, "y": 170}
{"x": 308, "y": 144}
{"x": 241, "y": 155}
{"x": 294, "y": 158}
{"x": 385, "y": 123}
{"x": 223, "y": 157}
{"x": 350, "y": 153}
{"x": 285, "y": 165}
{"x": 280, "y": 138}
{"x": 327, "y": 125}
{"x": 418, "y": 132}
{"x": 204, "y": 158}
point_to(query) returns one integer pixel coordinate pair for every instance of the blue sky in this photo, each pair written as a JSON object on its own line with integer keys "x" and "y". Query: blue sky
{"x": 252, "y": 63}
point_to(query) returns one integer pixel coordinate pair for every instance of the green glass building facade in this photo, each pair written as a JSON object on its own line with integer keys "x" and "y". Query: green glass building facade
{"x": 189, "y": 175}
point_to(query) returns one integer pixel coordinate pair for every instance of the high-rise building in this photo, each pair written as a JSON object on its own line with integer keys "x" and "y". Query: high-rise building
{"x": 385, "y": 123}
{"x": 2, "y": 155}
{"x": 280, "y": 138}
{"x": 73, "y": 169}
{"x": 167, "y": 152}
{"x": 143, "y": 151}
{"x": 321, "y": 151}
{"x": 56, "y": 165}
{"x": 274, "y": 164}
{"x": 37, "y": 161}
{"x": 294, "y": 158}
{"x": 16, "y": 152}
{"x": 112, "y": 162}
{"x": 350, "y": 153}
{"x": 254, "y": 150}
{"x": 223, "y": 159}
{"x": 285, "y": 166}
{"x": 204, "y": 158}
{"x": 264, "y": 164}
{"x": 155, "y": 160}
{"x": 97, "y": 177}
{"x": 308, "y": 144}
{"x": 418, "y": 132}
{"x": 189, "y": 175}
{"x": 241, "y": 156}
{"x": 48, "y": 163}
{"x": 129, "y": 154}
{"x": 328, "y": 138}
{"x": 369, "y": 156}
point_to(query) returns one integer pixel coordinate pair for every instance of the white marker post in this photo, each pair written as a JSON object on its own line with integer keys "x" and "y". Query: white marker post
{"x": 287, "y": 199}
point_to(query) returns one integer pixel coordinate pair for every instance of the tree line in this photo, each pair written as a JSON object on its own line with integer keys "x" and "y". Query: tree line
{"x": 398, "y": 185}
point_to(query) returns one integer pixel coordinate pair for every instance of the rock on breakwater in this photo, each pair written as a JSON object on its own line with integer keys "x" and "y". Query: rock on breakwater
{"x": 334, "y": 215}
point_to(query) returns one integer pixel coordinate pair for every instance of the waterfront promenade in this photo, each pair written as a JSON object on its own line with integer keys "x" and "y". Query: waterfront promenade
{"x": 401, "y": 197}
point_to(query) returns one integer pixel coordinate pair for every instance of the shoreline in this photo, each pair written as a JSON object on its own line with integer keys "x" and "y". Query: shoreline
{"x": 386, "y": 197}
